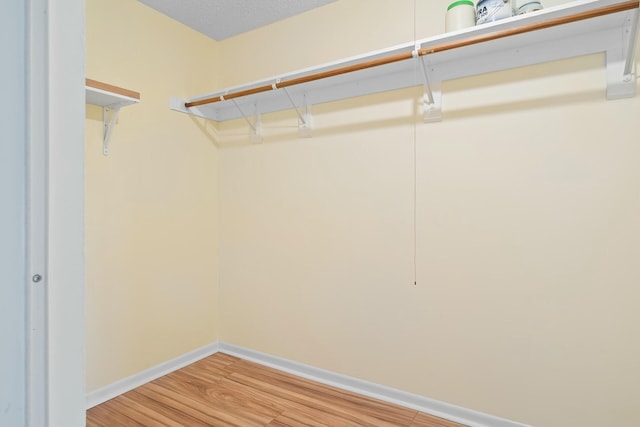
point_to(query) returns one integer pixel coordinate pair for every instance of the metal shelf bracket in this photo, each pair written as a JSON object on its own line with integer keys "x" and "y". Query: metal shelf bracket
{"x": 305, "y": 126}
{"x": 432, "y": 99}
{"x": 629, "y": 40}
{"x": 432, "y": 103}
{"x": 305, "y": 120}
{"x": 621, "y": 82}
{"x": 256, "y": 136}
{"x": 256, "y": 125}
{"x": 109, "y": 119}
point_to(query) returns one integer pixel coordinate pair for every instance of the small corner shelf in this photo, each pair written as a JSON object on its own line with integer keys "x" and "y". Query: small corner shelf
{"x": 581, "y": 27}
{"x": 111, "y": 99}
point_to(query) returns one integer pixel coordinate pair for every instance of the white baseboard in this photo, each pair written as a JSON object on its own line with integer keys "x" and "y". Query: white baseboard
{"x": 103, "y": 394}
{"x": 437, "y": 408}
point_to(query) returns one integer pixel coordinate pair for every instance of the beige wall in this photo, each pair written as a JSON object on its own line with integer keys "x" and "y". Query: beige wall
{"x": 151, "y": 205}
{"x": 525, "y": 235}
{"x": 526, "y": 232}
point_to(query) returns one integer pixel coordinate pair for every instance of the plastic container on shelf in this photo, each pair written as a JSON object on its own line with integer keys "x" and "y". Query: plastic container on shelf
{"x": 529, "y": 6}
{"x": 460, "y": 14}
{"x": 493, "y": 10}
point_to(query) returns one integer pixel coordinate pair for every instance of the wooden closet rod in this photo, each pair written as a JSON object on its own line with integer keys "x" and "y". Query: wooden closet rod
{"x": 620, "y": 7}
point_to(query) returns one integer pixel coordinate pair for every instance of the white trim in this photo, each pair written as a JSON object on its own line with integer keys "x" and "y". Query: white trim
{"x": 437, "y": 408}
{"x": 103, "y": 394}
{"x": 64, "y": 275}
{"x": 423, "y": 404}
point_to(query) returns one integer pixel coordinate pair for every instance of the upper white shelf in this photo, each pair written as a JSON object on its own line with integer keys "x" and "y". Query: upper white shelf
{"x": 578, "y": 28}
{"x": 106, "y": 95}
{"x": 110, "y": 98}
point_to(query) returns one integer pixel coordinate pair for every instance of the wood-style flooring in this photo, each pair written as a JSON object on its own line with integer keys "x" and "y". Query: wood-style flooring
{"x": 222, "y": 390}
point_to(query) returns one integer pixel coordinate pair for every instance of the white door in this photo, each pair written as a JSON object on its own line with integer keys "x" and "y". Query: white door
{"x": 13, "y": 193}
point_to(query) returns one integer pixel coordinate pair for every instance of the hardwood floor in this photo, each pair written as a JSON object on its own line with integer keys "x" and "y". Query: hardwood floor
{"x": 222, "y": 390}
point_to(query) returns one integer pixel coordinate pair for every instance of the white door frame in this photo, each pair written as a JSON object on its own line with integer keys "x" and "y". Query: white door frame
{"x": 55, "y": 213}
{"x": 37, "y": 214}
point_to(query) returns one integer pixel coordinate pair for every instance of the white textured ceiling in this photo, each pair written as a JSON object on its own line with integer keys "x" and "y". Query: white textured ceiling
{"x": 220, "y": 19}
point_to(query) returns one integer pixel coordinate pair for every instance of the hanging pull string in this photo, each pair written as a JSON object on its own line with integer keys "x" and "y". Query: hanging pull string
{"x": 415, "y": 151}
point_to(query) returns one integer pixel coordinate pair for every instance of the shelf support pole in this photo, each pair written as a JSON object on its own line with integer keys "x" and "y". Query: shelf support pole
{"x": 432, "y": 98}
{"x": 108, "y": 123}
